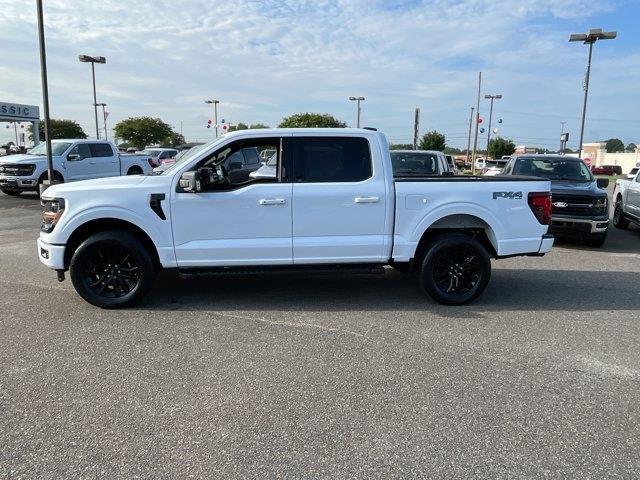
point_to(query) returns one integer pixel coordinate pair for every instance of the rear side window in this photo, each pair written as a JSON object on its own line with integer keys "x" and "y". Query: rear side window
{"x": 331, "y": 159}
{"x": 100, "y": 150}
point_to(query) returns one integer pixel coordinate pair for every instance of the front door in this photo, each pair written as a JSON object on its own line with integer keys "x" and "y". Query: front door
{"x": 339, "y": 201}
{"x": 245, "y": 222}
{"x": 78, "y": 163}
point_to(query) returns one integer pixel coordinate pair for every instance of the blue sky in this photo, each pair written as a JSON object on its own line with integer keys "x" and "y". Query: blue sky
{"x": 264, "y": 59}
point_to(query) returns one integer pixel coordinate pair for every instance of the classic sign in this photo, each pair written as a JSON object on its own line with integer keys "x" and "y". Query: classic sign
{"x": 16, "y": 111}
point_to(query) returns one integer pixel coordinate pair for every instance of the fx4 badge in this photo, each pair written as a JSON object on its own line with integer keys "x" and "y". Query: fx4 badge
{"x": 510, "y": 195}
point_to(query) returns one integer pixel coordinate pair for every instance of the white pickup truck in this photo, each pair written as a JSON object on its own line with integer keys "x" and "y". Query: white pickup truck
{"x": 72, "y": 160}
{"x": 332, "y": 202}
{"x": 626, "y": 200}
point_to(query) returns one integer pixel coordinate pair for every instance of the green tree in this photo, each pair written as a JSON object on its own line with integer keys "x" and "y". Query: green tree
{"x": 401, "y": 146}
{"x": 631, "y": 147}
{"x": 174, "y": 140}
{"x": 452, "y": 151}
{"x": 498, "y": 147}
{"x": 142, "y": 131}
{"x": 244, "y": 126}
{"x": 311, "y": 120}
{"x": 433, "y": 141}
{"x": 60, "y": 129}
{"x": 614, "y": 145}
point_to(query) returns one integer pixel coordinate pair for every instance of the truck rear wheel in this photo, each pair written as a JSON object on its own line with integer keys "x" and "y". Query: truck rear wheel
{"x": 619, "y": 220}
{"x": 455, "y": 270}
{"x": 112, "y": 269}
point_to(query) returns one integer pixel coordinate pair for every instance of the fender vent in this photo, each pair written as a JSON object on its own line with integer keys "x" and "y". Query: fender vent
{"x": 155, "y": 202}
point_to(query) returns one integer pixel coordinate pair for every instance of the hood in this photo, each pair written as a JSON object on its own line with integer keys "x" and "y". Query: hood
{"x": 563, "y": 187}
{"x": 109, "y": 183}
{"x": 24, "y": 158}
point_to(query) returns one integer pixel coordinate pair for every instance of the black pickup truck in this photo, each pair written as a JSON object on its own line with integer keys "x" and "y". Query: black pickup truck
{"x": 580, "y": 203}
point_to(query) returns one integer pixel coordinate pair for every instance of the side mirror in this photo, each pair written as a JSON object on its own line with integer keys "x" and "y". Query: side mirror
{"x": 190, "y": 182}
{"x": 73, "y": 157}
{"x": 235, "y": 166}
{"x": 602, "y": 182}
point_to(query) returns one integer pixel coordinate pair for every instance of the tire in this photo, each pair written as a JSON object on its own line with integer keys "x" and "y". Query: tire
{"x": 11, "y": 192}
{"x": 112, "y": 269}
{"x": 595, "y": 241}
{"x": 56, "y": 176}
{"x": 619, "y": 220}
{"x": 134, "y": 171}
{"x": 455, "y": 270}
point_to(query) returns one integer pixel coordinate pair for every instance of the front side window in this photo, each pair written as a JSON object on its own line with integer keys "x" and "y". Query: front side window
{"x": 82, "y": 150}
{"x": 227, "y": 169}
{"x": 100, "y": 150}
{"x": 331, "y": 159}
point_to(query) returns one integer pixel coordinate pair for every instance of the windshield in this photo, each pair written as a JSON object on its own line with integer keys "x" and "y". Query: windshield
{"x": 57, "y": 148}
{"x": 414, "y": 163}
{"x": 151, "y": 153}
{"x": 189, "y": 154}
{"x": 553, "y": 169}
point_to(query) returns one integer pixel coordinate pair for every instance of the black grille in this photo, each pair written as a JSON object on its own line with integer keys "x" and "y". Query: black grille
{"x": 579, "y": 205}
{"x": 21, "y": 170}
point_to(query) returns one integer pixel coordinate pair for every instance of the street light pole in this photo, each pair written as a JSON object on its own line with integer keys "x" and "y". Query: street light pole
{"x": 93, "y": 61}
{"x": 215, "y": 112}
{"x": 475, "y": 137}
{"x": 357, "y": 100}
{"x": 104, "y": 118}
{"x": 45, "y": 99}
{"x": 590, "y": 38}
{"x": 492, "y": 97}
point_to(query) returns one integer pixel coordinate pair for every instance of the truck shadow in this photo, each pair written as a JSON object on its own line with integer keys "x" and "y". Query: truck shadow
{"x": 618, "y": 241}
{"x": 518, "y": 290}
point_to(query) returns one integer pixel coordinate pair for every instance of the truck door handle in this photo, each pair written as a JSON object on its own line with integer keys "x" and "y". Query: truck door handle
{"x": 272, "y": 201}
{"x": 367, "y": 199}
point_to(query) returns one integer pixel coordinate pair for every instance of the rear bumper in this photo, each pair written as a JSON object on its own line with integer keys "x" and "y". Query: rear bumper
{"x": 546, "y": 244}
{"x": 561, "y": 225}
{"x": 51, "y": 255}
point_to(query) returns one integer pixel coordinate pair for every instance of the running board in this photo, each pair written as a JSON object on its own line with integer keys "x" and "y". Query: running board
{"x": 357, "y": 268}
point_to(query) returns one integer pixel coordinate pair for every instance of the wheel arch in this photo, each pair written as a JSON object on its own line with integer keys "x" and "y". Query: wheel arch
{"x": 90, "y": 227}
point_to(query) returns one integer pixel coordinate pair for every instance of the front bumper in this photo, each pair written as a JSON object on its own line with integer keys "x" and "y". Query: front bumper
{"x": 561, "y": 225}
{"x": 19, "y": 183}
{"x": 51, "y": 255}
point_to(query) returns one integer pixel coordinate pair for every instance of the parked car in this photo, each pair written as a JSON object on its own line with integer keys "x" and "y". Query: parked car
{"x": 580, "y": 208}
{"x": 452, "y": 164}
{"x": 626, "y": 200}
{"x": 158, "y": 156}
{"x": 72, "y": 160}
{"x": 611, "y": 170}
{"x": 632, "y": 173}
{"x": 419, "y": 162}
{"x": 481, "y": 163}
{"x": 494, "y": 167}
{"x": 335, "y": 205}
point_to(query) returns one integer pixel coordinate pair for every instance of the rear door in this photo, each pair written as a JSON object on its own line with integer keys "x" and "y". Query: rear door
{"x": 104, "y": 162}
{"x": 339, "y": 200}
{"x": 633, "y": 196}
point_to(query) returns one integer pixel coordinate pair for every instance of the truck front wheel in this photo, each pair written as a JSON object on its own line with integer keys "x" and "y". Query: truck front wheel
{"x": 112, "y": 269}
{"x": 455, "y": 270}
{"x": 619, "y": 220}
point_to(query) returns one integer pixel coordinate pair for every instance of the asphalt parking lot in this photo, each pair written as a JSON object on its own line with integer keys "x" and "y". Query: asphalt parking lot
{"x": 326, "y": 377}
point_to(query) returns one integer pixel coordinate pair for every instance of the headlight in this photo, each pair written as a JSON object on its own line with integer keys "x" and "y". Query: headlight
{"x": 600, "y": 203}
{"x": 52, "y": 210}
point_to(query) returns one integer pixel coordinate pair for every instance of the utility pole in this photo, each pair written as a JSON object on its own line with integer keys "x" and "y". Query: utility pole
{"x": 93, "y": 61}
{"x": 104, "y": 118}
{"x": 416, "y": 126}
{"x": 475, "y": 138}
{"x": 590, "y": 38}
{"x": 469, "y": 139}
{"x": 492, "y": 97}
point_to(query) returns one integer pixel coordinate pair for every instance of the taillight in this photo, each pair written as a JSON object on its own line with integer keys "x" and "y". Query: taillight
{"x": 540, "y": 204}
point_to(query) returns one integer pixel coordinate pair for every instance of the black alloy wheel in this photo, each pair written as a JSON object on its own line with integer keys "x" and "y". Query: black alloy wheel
{"x": 456, "y": 269}
{"x": 619, "y": 220}
{"x": 112, "y": 269}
